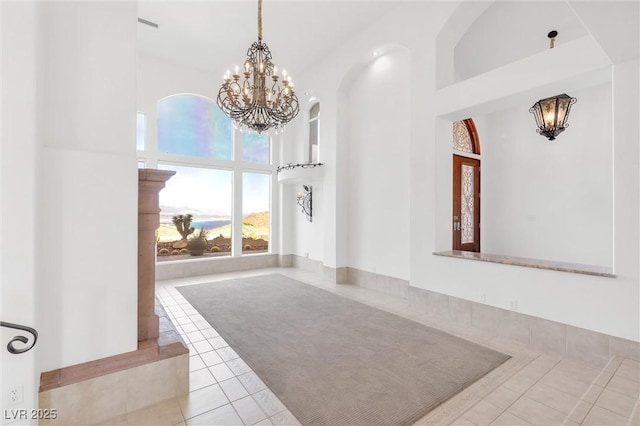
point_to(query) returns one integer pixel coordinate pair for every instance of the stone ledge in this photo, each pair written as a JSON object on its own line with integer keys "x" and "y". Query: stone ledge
{"x": 96, "y": 391}
{"x": 551, "y": 265}
{"x": 148, "y": 352}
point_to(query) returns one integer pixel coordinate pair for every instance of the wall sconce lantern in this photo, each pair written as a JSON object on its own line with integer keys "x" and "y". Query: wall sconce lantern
{"x": 552, "y": 114}
{"x": 304, "y": 201}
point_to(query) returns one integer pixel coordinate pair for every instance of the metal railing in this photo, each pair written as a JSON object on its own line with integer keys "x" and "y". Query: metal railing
{"x": 11, "y": 345}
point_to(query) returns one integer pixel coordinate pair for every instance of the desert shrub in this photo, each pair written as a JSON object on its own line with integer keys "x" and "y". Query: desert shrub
{"x": 175, "y": 252}
{"x": 215, "y": 249}
{"x": 184, "y": 251}
{"x": 247, "y": 247}
{"x": 163, "y": 252}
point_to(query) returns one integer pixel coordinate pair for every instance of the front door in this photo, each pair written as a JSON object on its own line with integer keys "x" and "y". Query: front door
{"x": 466, "y": 204}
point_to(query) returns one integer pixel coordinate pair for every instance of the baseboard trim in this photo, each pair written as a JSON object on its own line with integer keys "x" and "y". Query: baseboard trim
{"x": 195, "y": 267}
{"x": 488, "y": 321}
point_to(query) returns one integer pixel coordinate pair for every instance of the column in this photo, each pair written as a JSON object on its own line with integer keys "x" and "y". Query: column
{"x": 150, "y": 182}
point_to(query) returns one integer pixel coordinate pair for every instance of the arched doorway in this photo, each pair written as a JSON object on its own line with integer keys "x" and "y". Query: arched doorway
{"x": 466, "y": 187}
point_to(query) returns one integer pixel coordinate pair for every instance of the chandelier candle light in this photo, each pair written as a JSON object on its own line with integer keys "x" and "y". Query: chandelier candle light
{"x": 252, "y": 101}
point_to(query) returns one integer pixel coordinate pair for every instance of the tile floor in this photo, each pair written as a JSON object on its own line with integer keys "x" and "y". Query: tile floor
{"x": 531, "y": 388}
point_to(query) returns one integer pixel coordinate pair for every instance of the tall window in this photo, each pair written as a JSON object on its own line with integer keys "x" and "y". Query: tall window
{"x": 204, "y": 193}
{"x": 255, "y": 211}
{"x": 141, "y": 128}
{"x": 314, "y": 132}
{"x": 222, "y": 184}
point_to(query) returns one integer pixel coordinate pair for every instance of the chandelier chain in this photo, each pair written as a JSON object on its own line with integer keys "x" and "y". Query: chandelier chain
{"x": 259, "y": 19}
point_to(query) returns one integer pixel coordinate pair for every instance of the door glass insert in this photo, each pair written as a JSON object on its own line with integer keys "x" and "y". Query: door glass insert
{"x": 467, "y": 202}
{"x": 461, "y": 137}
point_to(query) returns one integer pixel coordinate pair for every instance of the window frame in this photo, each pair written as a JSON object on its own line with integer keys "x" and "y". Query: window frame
{"x": 311, "y": 120}
{"x": 151, "y": 157}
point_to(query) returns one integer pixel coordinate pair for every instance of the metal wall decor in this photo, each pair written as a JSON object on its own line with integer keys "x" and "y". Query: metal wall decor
{"x": 11, "y": 347}
{"x": 250, "y": 100}
{"x": 304, "y": 201}
{"x": 552, "y": 114}
{"x": 300, "y": 165}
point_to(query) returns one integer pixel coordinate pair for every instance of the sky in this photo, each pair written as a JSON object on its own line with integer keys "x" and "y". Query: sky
{"x": 210, "y": 191}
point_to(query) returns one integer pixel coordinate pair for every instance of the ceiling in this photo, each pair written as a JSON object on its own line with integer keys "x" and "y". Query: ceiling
{"x": 214, "y": 35}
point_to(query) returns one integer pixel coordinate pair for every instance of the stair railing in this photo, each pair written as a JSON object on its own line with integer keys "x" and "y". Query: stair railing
{"x": 11, "y": 345}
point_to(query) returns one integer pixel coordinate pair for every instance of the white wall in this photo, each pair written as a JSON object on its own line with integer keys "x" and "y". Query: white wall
{"x": 411, "y": 26}
{"x": 69, "y": 171}
{"x": 378, "y": 176}
{"x": 550, "y": 199}
{"x": 307, "y": 241}
{"x": 19, "y": 175}
{"x": 601, "y": 304}
{"x": 299, "y": 236}
{"x": 88, "y": 307}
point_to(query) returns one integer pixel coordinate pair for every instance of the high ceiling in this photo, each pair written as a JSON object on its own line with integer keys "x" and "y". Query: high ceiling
{"x": 214, "y": 35}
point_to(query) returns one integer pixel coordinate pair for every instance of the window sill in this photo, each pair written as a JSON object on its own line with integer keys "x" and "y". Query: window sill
{"x": 204, "y": 258}
{"x": 551, "y": 265}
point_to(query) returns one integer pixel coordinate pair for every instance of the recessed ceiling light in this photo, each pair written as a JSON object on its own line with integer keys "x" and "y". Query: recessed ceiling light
{"x": 307, "y": 93}
{"x": 375, "y": 53}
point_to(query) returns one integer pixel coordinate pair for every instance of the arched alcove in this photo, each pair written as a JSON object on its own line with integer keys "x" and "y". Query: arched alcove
{"x": 533, "y": 199}
{"x": 375, "y": 142}
{"x": 508, "y": 31}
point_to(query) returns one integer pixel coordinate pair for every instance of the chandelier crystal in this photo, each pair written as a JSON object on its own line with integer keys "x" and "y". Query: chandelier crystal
{"x": 258, "y": 99}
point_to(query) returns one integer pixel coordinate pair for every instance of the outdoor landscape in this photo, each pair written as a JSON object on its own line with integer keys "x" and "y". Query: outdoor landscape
{"x": 172, "y": 246}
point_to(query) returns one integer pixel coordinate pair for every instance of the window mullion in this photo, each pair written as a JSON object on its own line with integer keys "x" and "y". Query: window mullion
{"x": 236, "y": 219}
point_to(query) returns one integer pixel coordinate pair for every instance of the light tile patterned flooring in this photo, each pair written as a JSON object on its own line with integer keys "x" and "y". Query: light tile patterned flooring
{"x": 532, "y": 388}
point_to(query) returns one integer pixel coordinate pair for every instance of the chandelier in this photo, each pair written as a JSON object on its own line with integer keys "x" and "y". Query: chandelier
{"x": 258, "y": 100}
{"x": 552, "y": 114}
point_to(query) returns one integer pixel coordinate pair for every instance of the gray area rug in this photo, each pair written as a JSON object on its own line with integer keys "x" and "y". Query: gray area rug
{"x": 334, "y": 361}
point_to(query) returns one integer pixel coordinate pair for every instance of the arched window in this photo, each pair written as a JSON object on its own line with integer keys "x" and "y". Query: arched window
{"x": 193, "y": 125}
{"x": 314, "y": 132}
{"x": 465, "y": 136}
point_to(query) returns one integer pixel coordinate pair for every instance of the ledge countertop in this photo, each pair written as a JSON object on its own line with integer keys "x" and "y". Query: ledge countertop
{"x": 601, "y": 271}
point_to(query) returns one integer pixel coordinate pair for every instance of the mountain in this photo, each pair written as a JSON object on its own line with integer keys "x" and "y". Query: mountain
{"x": 167, "y": 212}
{"x": 258, "y": 220}
{"x": 254, "y": 225}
